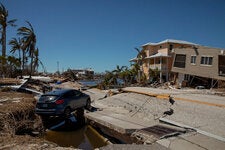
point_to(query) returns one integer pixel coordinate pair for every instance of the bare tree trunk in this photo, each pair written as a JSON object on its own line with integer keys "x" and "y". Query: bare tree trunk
{"x": 4, "y": 49}
{"x": 4, "y": 41}
{"x": 31, "y": 63}
{"x": 23, "y": 62}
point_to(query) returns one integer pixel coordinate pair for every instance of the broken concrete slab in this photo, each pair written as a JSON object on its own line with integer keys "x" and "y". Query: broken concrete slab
{"x": 121, "y": 125}
{"x": 195, "y": 141}
{"x": 118, "y": 122}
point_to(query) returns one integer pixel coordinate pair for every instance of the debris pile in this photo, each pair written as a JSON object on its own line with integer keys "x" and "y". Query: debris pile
{"x": 9, "y": 81}
{"x": 17, "y": 114}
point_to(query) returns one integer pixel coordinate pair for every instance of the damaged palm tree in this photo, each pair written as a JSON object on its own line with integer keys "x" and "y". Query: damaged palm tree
{"x": 16, "y": 46}
{"x": 28, "y": 42}
{"x": 37, "y": 61}
{"x": 140, "y": 60}
{"x": 4, "y": 23}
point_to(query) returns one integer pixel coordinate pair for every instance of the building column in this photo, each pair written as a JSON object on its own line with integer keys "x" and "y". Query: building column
{"x": 154, "y": 63}
{"x": 167, "y": 69}
{"x": 160, "y": 80}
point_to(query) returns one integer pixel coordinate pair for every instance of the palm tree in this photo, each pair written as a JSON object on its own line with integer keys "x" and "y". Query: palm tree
{"x": 16, "y": 46}
{"x": 14, "y": 63}
{"x": 118, "y": 70}
{"x": 3, "y": 59}
{"x": 37, "y": 61}
{"x": 140, "y": 60}
{"x": 109, "y": 78}
{"x": 4, "y": 23}
{"x": 126, "y": 75}
{"x": 118, "y": 73}
{"x": 28, "y": 42}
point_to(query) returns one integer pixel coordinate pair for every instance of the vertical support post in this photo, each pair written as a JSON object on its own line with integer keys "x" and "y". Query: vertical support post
{"x": 160, "y": 70}
{"x": 167, "y": 69}
{"x": 154, "y": 62}
{"x": 211, "y": 84}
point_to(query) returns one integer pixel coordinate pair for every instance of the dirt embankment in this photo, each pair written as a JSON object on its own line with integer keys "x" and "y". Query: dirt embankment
{"x": 19, "y": 123}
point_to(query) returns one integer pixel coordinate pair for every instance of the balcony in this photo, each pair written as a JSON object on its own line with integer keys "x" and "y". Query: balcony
{"x": 161, "y": 67}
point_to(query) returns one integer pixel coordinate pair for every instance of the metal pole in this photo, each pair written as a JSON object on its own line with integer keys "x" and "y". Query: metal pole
{"x": 58, "y": 67}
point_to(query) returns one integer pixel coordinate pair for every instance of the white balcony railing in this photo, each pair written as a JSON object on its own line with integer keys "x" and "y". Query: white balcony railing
{"x": 158, "y": 66}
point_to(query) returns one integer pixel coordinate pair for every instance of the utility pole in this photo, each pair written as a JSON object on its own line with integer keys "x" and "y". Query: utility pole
{"x": 58, "y": 67}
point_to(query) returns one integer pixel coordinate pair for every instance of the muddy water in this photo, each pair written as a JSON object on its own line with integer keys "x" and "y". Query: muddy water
{"x": 81, "y": 138}
{"x": 76, "y": 138}
{"x": 72, "y": 131}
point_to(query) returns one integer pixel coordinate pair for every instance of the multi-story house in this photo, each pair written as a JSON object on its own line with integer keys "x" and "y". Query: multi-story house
{"x": 160, "y": 56}
{"x": 184, "y": 63}
{"x": 199, "y": 65}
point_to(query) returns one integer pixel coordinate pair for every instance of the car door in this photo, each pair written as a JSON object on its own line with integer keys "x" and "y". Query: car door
{"x": 80, "y": 99}
{"x": 69, "y": 98}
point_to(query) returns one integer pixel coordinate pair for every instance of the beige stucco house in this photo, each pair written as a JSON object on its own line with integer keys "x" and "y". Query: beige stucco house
{"x": 184, "y": 62}
{"x": 160, "y": 56}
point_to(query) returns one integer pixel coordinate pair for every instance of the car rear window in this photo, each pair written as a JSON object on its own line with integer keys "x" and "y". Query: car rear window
{"x": 47, "y": 98}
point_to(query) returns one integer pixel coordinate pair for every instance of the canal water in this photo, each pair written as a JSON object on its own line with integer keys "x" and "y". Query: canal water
{"x": 73, "y": 134}
{"x": 76, "y": 138}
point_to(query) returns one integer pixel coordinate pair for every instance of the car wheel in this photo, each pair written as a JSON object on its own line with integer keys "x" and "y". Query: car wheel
{"x": 67, "y": 112}
{"x": 88, "y": 104}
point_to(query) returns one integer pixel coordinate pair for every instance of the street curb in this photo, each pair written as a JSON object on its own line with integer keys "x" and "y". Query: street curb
{"x": 166, "y": 97}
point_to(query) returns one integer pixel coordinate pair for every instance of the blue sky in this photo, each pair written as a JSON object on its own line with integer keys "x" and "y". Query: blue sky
{"x": 101, "y": 34}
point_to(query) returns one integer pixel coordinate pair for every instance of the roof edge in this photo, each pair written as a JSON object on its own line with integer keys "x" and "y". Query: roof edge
{"x": 170, "y": 41}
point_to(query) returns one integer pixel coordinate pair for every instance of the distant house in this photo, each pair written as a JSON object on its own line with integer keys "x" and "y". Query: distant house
{"x": 159, "y": 56}
{"x": 84, "y": 73}
{"x": 199, "y": 65}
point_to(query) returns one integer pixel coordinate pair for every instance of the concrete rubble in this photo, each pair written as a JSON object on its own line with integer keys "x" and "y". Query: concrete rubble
{"x": 197, "y": 112}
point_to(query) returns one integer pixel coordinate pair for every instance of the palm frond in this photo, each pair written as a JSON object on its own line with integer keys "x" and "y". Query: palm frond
{"x": 137, "y": 49}
{"x": 16, "y": 45}
{"x": 31, "y": 27}
{"x": 24, "y": 31}
{"x": 3, "y": 11}
{"x": 12, "y": 22}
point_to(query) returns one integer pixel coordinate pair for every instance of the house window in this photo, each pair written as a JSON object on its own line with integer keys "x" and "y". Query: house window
{"x": 193, "y": 59}
{"x": 171, "y": 47}
{"x": 180, "y": 60}
{"x": 205, "y": 60}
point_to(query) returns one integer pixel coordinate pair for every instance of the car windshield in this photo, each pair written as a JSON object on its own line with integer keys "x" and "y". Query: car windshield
{"x": 44, "y": 98}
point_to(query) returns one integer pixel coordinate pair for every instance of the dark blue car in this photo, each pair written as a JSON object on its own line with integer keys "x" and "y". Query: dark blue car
{"x": 62, "y": 102}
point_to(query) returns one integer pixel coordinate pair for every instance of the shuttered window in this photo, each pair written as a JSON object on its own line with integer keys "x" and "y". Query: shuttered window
{"x": 180, "y": 60}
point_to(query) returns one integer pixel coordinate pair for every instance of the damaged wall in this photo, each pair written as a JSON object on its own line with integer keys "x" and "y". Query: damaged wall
{"x": 206, "y": 63}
